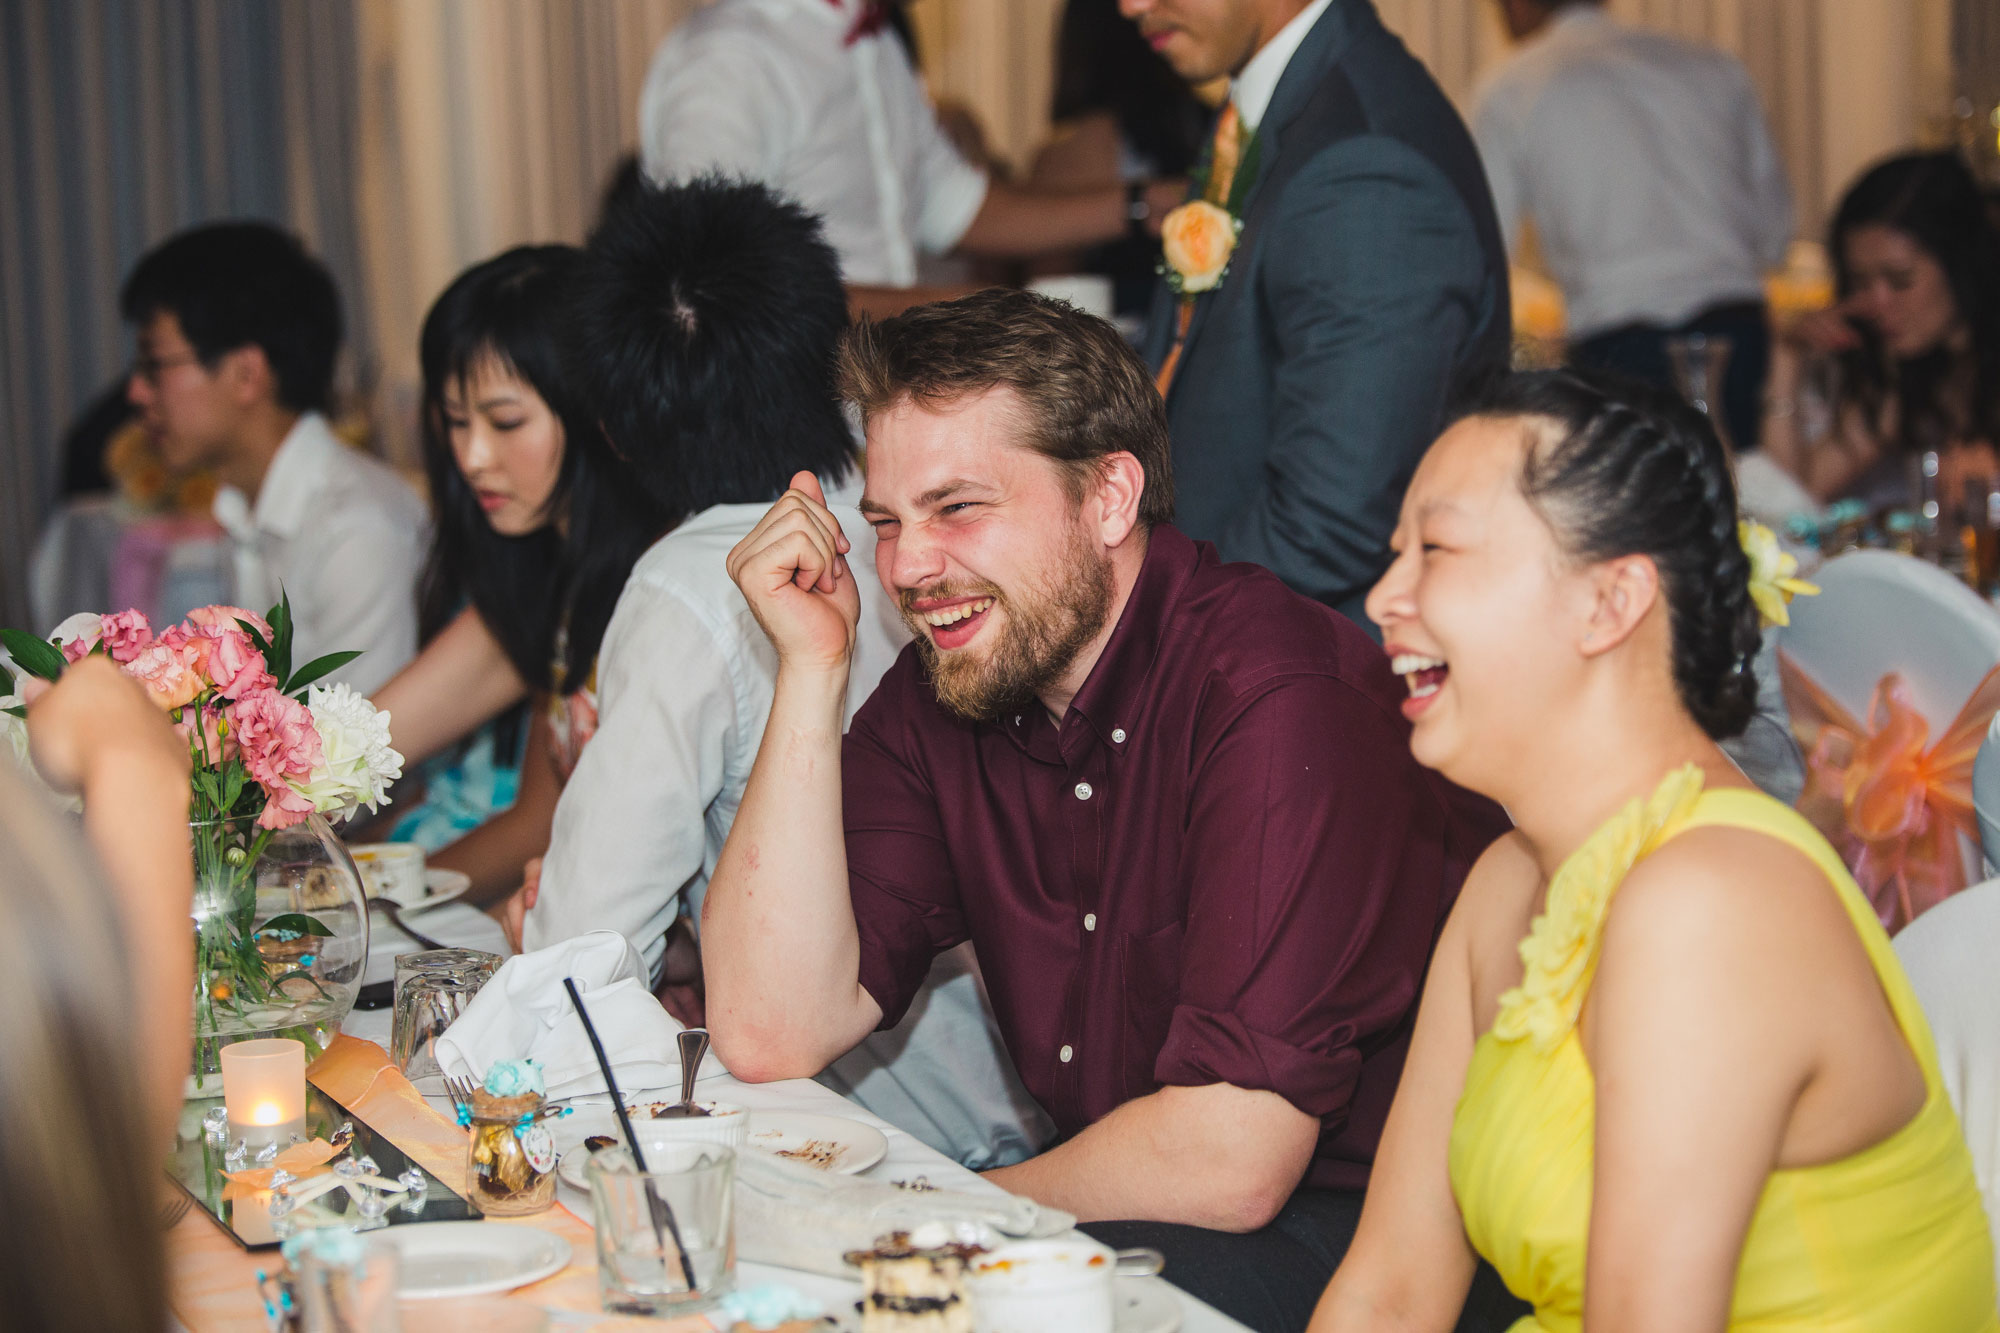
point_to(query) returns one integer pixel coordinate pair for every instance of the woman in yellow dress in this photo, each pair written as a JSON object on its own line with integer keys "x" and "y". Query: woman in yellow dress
{"x": 1667, "y": 1074}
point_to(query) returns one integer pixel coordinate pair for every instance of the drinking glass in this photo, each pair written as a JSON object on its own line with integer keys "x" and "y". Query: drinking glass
{"x": 345, "y": 1284}
{"x": 432, "y": 990}
{"x": 1700, "y": 360}
{"x": 638, "y": 1267}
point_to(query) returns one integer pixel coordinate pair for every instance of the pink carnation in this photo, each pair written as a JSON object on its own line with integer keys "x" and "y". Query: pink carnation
{"x": 212, "y": 746}
{"x": 234, "y": 663}
{"x": 171, "y": 675}
{"x": 278, "y": 742}
{"x": 125, "y": 634}
{"x": 225, "y": 617}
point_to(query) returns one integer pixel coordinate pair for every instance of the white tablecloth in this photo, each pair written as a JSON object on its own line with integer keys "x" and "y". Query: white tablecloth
{"x": 469, "y": 928}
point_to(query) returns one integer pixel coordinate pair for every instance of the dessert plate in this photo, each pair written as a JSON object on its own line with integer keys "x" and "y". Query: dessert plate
{"x": 444, "y": 886}
{"x": 472, "y": 1258}
{"x": 1143, "y": 1305}
{"x": 1146, "y": 1305}
{"x": 829, "y": 1142}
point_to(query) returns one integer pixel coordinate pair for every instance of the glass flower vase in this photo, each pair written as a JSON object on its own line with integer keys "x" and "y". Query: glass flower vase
{"x": 280, "y": 935}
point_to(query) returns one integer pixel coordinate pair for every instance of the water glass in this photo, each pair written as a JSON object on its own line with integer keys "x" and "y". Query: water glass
{"x": 638, "y": 1266}
{"x": 345, "y": 1284}
{"x": 432, "y": 990}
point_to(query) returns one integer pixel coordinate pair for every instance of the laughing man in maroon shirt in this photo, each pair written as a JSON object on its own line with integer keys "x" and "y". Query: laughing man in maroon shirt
{"x": 1170, "y": 802}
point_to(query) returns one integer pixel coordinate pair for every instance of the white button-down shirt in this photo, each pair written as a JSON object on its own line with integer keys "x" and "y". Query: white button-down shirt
{"x": 772, "y": 91}
{"x": 684, "y": 681}
{"x": 344, "y": 537}
{"x": 1257, "y": 82}
{"x": 1647, "y": 167}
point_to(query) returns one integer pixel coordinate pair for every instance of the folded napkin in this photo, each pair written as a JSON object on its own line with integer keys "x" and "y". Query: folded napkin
{"x": 797, "y": 1216}
{"x": 524, "y": 1012}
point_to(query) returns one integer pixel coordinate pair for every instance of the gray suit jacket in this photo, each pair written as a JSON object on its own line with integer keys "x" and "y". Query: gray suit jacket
{"x": 1368, "y": 286}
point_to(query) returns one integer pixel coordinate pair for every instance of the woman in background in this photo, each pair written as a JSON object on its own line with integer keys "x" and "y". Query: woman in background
{"x": 96, "y": 966}
{"x": 534, "y": 542}
{"x": 1667, "y": 1073}
{"x": 1914, "y": 339}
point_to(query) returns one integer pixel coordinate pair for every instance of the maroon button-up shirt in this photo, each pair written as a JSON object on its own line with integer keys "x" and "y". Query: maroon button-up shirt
{"x": 1224, "y": 867}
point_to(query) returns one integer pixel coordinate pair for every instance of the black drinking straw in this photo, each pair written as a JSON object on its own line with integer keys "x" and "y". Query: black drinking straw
{"x": 663, "y": 1216}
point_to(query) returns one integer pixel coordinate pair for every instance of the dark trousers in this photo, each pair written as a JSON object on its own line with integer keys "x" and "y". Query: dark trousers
{"x": 1640, "y": 350}
{"x": 1271, "y": 1279}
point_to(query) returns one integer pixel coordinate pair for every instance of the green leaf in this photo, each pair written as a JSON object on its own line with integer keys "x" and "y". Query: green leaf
{"x": 262, "y": 644}
{"x": 318, "y": 667}
{"x": 298, "y": 921}
{"x": 6, "y": 681}
{"x": 279, "y": 659}
{"x": 33, "y": 655}
{"x": 18, "y": 710}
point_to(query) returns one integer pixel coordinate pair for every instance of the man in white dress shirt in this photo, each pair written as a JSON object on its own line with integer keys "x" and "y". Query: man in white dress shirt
{"x": 818, "y": 100}
{"x": 238, "y": 328}
{"x": 1657, "y": 196}
{"x": 708, "y": 315}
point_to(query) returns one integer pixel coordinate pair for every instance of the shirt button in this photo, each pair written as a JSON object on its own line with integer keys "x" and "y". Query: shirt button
{"x": 1064, "y": 1054}
{"x": 1090, "y": 921}
{"x": 1118, "y": 735}
{"x": 1083, "y": 791}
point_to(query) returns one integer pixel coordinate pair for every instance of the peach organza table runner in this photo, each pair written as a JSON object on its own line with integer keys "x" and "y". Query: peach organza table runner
{"x": 212, "y": 1280}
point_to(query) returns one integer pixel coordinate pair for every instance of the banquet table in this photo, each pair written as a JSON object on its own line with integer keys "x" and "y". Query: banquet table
{"x": 466, "y": 927}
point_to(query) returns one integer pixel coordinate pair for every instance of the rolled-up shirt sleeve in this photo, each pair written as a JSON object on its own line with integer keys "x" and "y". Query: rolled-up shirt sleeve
{"x": 1313, "y": 895}
{"x": 899, "y": 871}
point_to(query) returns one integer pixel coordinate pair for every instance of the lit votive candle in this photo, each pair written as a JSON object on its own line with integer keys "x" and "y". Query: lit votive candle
{"x": 264, "y": 1089}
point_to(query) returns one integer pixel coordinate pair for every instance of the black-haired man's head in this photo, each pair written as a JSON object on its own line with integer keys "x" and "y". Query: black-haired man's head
{"x": 238, "y": 329}
{"x": 703, "y": 336}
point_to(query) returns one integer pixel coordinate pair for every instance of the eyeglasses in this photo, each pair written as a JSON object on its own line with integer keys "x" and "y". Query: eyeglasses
{"x": 149, "y": 367}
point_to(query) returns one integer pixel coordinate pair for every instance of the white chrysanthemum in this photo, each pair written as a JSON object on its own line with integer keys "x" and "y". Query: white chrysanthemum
{"x": 356, "y": 762}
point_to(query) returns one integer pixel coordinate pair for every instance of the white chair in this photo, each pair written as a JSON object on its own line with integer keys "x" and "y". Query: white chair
{"x": 1948, "y": 953}
{"x": 1986, "y": 793}
{"x": 1879, "y": 612}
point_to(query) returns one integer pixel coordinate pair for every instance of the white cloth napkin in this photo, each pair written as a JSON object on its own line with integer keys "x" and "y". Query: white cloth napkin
{"x": 525, "y": 1013}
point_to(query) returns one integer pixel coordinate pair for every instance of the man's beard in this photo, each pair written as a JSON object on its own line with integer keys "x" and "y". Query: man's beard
{"x": 1043, "y": 631}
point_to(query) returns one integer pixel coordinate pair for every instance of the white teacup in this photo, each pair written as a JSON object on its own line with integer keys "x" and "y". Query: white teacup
{"x": 1032, "y": 1286}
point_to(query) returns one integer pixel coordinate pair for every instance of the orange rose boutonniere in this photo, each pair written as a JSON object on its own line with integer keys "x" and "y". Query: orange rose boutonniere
{"x": 1198, "y": 239}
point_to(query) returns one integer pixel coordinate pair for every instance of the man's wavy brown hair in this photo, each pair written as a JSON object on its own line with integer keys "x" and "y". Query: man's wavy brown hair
{"x": 1085, "y": 392}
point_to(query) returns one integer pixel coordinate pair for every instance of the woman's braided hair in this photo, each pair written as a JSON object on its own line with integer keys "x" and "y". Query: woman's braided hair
{"x": 1629, "y": 469}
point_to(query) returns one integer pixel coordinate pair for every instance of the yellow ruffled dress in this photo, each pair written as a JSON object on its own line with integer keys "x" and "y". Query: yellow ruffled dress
{"x": 1892, "y": 1238}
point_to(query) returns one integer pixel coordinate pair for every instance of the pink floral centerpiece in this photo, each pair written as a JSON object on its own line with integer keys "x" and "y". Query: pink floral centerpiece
{"x": 280, "y": 921}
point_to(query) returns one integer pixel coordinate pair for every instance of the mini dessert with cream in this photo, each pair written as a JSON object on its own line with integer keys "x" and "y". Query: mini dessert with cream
{"x": 915, "y": 1283}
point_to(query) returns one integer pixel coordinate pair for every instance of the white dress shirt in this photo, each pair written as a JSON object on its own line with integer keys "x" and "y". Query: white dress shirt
{"x": 1257, "y": 82}
{"x": 684, "y": 683}
{"x": 343, "y": 537}
{"x": 771, "y": 90}
{"x": 1646, "y": 165}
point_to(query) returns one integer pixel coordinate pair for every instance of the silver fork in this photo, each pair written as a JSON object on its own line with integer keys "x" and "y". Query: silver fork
{"x": 459, "y": 1088}
{"x": 172, "y": 1211}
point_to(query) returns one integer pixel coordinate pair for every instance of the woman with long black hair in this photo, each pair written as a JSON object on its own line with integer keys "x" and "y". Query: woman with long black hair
{"x": 1915, "y": 336}
{"x": 534, "y": 541}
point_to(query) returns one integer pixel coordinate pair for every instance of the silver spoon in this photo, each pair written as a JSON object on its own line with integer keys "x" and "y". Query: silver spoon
{"x": 693, "y": 1043}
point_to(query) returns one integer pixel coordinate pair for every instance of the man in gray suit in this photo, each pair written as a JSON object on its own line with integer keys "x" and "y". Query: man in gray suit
{"x": 1368, "y": 283}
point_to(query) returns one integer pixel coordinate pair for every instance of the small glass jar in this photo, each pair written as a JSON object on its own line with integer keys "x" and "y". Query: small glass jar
{"x": 510, "y": 1166}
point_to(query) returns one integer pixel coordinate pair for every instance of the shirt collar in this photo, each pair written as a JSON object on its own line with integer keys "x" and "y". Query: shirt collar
{"x": 1110, "y": 698}
{"x": 1252, "y": 89}
{"x": 291, "y": 483}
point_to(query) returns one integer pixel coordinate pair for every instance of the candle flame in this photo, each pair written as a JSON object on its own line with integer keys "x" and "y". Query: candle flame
{"x": 267, "y": 1113}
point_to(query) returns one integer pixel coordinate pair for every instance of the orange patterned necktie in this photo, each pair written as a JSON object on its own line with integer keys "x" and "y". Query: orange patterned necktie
{"x": 1225, "y": 151}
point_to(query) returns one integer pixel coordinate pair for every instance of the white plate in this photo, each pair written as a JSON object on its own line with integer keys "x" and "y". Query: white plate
{"x": 472, "y": 1258}
{"x": 853, "y": 1146}
{"x": 1141, "y": 1305}
{"x": 444, "y": 885}
{"x": 1146, "y": 1305}
{"x": 837, "y": 1144}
